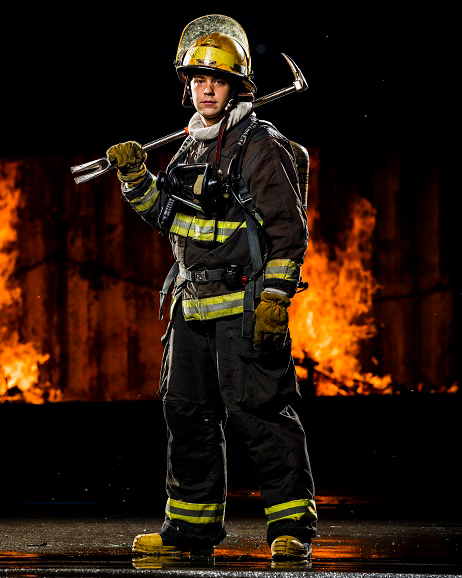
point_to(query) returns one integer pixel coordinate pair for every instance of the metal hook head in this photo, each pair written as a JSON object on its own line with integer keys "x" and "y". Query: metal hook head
{"x": 300, "y": 83}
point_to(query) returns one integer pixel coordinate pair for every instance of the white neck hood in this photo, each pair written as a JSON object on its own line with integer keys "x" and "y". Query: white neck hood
{"x": 200, "y": 132}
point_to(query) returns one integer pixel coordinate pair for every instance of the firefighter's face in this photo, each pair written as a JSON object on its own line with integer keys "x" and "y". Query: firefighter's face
{"x": 210, "y": 95}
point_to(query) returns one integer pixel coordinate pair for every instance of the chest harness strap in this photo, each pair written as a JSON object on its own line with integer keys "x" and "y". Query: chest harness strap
{"x": 253, "y": 288}
{"x": 243, "y": 196}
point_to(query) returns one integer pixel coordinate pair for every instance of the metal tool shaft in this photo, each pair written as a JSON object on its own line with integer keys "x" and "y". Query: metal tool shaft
{"x": 101, "y": 166}
{"x": 273, "y": 96}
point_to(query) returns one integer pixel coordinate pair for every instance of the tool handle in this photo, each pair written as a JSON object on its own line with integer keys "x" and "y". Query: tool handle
{"x": 273, "y": 96}
{"x": 102, "y": 165}
{"x": 166, "y": 139}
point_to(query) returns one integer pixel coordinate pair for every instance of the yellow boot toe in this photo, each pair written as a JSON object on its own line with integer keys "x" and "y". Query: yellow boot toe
{"x": 284, "y": 547}
{"x": 152, "y": 544}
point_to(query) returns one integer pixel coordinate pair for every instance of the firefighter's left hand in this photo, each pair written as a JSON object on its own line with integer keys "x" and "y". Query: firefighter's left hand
{"x": 271, "y": 321}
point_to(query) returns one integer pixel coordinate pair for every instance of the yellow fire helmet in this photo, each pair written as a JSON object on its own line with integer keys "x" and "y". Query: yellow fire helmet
{"x": 215, "y": 43}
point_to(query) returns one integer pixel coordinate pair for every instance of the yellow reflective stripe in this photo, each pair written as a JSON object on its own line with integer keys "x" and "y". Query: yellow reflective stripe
{"x": 226, "y": 228}
{"x": 282, "y": 269}
{"x": 147, "y": 200}
{"x": 179, "y": 230}
{"x": 195, "y": 513}
{"x": 204, "y": 229}
{"x": 295, "y": 510}
{"x": 212, "y": 54}
{"x": 213, "y": 307}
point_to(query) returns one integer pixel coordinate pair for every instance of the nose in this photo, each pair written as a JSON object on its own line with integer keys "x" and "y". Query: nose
{"x": 208, "y": 89}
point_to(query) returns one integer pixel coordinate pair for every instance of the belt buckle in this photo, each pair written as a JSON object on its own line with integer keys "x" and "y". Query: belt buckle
{"x": 200, "y": 276}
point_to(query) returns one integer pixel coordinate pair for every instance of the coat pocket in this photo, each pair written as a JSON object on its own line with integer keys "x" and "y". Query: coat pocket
{"x": 266, "y": 379}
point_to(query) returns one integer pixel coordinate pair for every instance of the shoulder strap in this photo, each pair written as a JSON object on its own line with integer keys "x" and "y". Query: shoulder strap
{"x": 181, "y": 153}
{"x": 253, "y": 288}
{"x": 171, "y": 275}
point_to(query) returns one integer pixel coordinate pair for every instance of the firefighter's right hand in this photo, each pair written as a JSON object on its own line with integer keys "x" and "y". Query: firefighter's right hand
{"x": 129, "y": 158}
{"x": 271, "y": 321}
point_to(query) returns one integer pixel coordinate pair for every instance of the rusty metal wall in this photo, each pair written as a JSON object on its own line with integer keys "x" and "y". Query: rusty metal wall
{"x": 416, "y": 267}
{"x": 90, "y": 270}
{"x": 414, "y": 255}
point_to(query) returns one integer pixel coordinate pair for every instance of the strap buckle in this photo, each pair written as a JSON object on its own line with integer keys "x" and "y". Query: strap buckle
{"x": 199, "y": 276}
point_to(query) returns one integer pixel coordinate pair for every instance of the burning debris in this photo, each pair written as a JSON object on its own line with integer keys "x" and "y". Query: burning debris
{"x": 329, "y": 321}
{"x": 19, "y": 362}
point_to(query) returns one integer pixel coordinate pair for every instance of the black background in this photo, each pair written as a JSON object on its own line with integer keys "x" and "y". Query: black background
{"x": 78, "y": 77}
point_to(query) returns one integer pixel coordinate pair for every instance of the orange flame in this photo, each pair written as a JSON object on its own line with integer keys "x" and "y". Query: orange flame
{"x": 19, "y": 362}
{"x": 330, "y": 319}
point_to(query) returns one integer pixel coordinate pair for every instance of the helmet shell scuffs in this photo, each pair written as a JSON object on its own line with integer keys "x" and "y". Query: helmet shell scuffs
{"x": 215, "y": 43}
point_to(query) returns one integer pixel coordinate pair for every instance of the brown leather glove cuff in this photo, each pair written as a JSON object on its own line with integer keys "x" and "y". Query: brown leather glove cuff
{"x": 132, "y": 177}
{"x": 276, "y": 297}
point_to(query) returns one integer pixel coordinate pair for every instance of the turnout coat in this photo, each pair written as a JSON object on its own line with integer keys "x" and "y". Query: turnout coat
{"x": 200, "y": 243}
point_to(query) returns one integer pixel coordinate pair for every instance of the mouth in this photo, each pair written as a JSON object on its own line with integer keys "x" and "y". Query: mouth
{"x": 208, "y": 102}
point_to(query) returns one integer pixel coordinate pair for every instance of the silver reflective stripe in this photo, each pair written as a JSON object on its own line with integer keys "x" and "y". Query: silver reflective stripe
{"x": 212, "y": 307}
{"x": 193, "y": 513}
{"x": 282, "y": 269}
{"x": 204, "y": 229}
{"x": 287, "y": 512}
{"x": 145, "y": 202}
{"x": 276, "y": 269}
{"x": 295, "y": 510}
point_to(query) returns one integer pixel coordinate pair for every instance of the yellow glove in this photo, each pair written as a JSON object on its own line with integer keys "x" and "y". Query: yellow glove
{"x": 129, "y": 158}
{"x": 271, "y": 321}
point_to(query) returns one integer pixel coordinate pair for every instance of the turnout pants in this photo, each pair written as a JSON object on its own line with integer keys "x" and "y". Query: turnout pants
{"x": 210, "y": 375}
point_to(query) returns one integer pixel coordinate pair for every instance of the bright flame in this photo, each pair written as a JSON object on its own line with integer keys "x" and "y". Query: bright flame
{"x": 19, "y": 362}
{"x": 330, "y": 319}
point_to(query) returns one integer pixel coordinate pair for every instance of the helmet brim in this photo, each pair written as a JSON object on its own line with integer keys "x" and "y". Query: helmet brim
{"x": 244, "y": 84}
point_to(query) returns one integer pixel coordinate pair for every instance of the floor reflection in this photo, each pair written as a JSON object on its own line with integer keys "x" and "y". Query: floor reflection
{"x": 218, "y": 562}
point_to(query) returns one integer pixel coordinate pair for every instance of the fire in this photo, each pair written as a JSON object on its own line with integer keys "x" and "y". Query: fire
{"x": 19, "y": 362}
{"x": 330, "y": 319}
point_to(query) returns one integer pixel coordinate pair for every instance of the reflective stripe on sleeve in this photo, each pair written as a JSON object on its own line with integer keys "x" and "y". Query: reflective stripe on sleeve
{"x": 146, "y": 201}
{"x": 213, "y": 307}
{"x": 295, "y": 510}
{"x": 282, "y": 269}
{"x": 195, "y": 513}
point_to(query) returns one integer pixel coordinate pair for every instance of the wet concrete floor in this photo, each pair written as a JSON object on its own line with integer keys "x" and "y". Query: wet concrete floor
{"x": 352, "y": 539}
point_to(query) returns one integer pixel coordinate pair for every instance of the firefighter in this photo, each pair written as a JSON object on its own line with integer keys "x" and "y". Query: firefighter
{"x": 231, "y": 205}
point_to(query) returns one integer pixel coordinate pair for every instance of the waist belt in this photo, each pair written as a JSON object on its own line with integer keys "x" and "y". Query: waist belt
{"x": 202, "y": 276}
{"x": 199, "y": 277}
